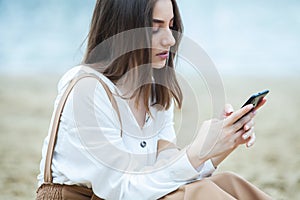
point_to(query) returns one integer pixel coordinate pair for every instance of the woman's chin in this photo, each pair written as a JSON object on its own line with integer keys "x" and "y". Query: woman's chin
{"x": 158, "y": 65}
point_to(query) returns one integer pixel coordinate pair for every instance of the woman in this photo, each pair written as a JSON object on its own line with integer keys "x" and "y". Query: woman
{"x": 116, "y": 132}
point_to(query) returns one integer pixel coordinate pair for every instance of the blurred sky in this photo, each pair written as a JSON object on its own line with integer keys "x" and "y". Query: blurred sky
{"x": 242, "y": 37}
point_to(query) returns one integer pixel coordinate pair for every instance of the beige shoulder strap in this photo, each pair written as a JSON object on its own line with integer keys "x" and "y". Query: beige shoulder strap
{"x": 55, "y": 124}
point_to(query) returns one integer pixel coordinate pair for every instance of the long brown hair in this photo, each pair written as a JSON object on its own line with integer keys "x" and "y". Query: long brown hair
{"x": 121, "y": 53}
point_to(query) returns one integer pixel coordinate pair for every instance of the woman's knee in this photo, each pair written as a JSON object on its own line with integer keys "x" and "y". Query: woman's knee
{"x": 230, "y": 176}
{"x": 227, "y": 177}
{"x": 204, "y": 183}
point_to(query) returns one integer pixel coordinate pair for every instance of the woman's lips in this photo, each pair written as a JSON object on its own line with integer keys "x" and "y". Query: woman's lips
{"x": 163, "y": 55}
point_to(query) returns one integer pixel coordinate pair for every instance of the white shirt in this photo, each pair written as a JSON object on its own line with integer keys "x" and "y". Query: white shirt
{"x": 90, "y": 151}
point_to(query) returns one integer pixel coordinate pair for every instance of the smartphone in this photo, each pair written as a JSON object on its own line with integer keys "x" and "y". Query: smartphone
{"x": 255, "y": 99}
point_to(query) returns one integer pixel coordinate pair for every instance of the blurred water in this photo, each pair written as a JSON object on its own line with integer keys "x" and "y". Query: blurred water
{"x": 251, "y": 37}
{"x": 242, "y": 37}
{"x": 42, "y": 36}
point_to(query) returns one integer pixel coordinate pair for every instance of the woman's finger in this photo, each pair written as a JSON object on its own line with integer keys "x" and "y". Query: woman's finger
{"x": 227, "y": 111}
{"x": 261, "y": 103}
{"x": 237, "y": 137}
{"x": 249, "y": 125}
{"x": 248, "y": 134}
{"x": 252, "y": 140}
{"x": 234, "y": 117}
{"x": 242, "y": 122}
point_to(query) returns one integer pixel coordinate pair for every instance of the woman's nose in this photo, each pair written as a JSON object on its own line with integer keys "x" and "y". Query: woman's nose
{"x": 168, "y": 39}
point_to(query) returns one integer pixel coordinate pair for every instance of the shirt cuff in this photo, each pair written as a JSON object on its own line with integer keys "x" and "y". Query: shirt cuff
{"x": 208, "y": 168}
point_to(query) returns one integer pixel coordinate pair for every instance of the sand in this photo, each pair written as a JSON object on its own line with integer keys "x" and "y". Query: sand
{"x": 272, "y": 164}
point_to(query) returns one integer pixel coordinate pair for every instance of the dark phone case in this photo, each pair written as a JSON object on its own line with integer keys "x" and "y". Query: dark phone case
{"x": 255, "y": 99}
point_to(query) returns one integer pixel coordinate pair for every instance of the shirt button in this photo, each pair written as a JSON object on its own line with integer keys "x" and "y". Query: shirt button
{"x": 143, "y": 144}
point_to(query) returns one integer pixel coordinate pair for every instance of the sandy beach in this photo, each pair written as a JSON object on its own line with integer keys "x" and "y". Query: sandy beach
{"x": 272, "y": 164}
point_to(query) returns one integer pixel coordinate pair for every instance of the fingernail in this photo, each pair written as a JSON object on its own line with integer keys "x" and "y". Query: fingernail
{"x": 245, "y": 136}
{"x": 246, "y": 127}
{"x": 249, "y": 144}
{"x": 228, "y": 113}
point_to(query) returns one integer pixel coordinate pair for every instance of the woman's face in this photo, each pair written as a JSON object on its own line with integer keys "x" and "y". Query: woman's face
{"x": 162, "y": 39}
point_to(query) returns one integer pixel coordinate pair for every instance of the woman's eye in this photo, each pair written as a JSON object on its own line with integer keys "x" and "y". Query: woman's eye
{"x": 156, "y": 29}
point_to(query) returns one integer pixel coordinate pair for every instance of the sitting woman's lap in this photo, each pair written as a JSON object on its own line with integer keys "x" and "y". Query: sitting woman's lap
{"x": 221, "y": 186}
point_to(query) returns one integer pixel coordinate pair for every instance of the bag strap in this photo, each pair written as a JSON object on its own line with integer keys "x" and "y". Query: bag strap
{"x": 55, "y": 124}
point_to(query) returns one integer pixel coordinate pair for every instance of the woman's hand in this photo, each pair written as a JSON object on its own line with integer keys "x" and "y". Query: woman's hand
{"x": 248, "y": 136}
{"x": 220, "y": 137}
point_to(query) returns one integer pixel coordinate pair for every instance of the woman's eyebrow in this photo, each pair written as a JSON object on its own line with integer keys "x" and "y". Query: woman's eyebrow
{"x": 160, "y": 21}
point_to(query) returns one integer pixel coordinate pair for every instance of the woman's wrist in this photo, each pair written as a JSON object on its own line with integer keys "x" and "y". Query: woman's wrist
{"x": 216, "y": 161}
{"x": 194, "y": 158}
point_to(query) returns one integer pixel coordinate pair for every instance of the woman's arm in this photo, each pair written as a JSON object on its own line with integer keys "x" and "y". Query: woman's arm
{"x": 219, "y": 136}
{"x": 90, "y": 151}
{"x": 247, "y": 137}
{"x": 218, "y": 159}
{"x": 166, "y": 149}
